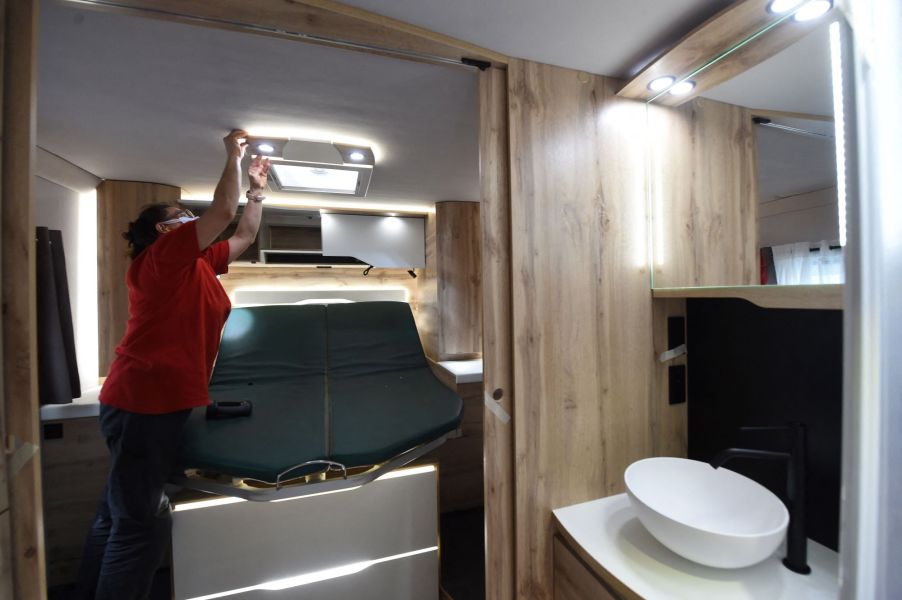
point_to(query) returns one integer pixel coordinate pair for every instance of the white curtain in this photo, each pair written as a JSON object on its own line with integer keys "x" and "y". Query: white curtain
{"x": 796, "y": 264}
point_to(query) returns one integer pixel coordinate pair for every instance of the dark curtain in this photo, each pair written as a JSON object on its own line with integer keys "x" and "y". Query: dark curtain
{"x": 58, "y": 381}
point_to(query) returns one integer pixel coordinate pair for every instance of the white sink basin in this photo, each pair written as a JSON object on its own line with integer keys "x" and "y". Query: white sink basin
{"x": 715, "y": 517}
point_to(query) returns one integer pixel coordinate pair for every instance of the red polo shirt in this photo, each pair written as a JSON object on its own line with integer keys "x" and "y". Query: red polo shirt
{"x": 177, "y": 310}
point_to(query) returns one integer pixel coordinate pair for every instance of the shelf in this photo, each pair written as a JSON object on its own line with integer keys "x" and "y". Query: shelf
{"x": 812, "y": 297}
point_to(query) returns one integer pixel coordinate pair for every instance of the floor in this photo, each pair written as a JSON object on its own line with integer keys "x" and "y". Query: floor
{"x": 463, "y": 560}
{"x": 463, "y": 554}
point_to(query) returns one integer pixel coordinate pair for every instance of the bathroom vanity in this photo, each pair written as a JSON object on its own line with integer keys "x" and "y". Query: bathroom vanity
{"x": 601, "y": 550}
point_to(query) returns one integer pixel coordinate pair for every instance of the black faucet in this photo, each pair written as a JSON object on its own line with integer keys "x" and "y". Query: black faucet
{"x": 796, "y": 541}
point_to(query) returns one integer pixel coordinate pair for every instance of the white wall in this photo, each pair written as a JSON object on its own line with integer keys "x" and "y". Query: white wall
{"x": 808, "y": 217}
{"x": 74, "y": 214}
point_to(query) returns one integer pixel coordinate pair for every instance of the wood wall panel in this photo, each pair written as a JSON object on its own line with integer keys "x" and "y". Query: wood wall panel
{"x": 75, "y": 470}
{"x": 118, "y": 203}
{"x": 458, "y": 249}
{"x": 21, "y": 529}
{"x": 451, "y": 283}
{"x": 429, "y": 320}
{"x": 497, "y": 350}
{"x": 581, "y": 301}
{"x": 703, "y": 195}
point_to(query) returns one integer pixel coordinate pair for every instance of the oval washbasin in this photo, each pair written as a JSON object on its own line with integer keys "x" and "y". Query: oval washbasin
{"x": 715, "y": 517}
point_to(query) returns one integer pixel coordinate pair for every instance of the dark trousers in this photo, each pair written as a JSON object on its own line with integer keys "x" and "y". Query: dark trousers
{"x": 131, "y": 531}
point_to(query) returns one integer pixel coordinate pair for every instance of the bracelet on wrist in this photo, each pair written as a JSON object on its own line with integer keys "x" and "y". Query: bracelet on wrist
{"x": 255, "y": 196}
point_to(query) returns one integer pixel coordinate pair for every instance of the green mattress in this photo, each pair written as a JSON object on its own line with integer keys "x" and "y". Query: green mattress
{"x": 341, "y": 382}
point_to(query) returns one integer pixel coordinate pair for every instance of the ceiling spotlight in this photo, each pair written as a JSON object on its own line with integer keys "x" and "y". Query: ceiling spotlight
{"x": 682, "y": 88}
{"x": 779, "y": 7}
{"x": 661, "y": 83}
{"x": 265, "y": 148}
{"x": 357, "y": 155}
{"x": 813, "y": 9}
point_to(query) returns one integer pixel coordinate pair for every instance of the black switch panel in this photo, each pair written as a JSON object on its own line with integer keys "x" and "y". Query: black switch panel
{"x": 53, "y": 431}
{"x": 677, "y": 384}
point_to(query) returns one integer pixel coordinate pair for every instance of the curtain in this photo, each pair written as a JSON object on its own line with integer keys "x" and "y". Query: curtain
{"x": 804, "y": 263}
{"x": 58, "y": 381}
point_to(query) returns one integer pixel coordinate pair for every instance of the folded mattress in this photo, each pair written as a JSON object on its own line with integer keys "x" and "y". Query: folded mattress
{"x": 344, "y": 382}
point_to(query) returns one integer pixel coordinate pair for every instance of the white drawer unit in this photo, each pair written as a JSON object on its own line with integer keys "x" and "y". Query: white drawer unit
{"x": 376, "y": 541}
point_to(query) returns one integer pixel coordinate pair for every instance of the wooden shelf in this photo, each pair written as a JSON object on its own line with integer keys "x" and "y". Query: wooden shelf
{"x": 816, "y": 297}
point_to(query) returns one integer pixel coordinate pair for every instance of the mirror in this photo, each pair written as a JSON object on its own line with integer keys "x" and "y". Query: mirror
{"x": 743, "y": 186}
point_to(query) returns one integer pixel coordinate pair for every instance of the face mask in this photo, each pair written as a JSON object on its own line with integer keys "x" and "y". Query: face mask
{"x": 187, "y": 217}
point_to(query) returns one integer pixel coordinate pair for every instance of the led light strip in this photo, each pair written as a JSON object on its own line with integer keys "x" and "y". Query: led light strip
{"x": 316, "y": 576}
{"x": 840, "y": 127}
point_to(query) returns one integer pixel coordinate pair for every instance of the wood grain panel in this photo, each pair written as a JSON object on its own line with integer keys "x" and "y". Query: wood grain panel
{"x": 6, "y": 570}
{"x": 573, "y": 580}
{"x": 722, "y": 32}
{"x": 74, "y": 470}
{"x": 497, "y": 350}
{"x": 669, "y": 423}
{"x": 429, "y": 319}
{"x": 458, "y": 250}
{"x": 318, "y": 21}
{"x": 582, "y": 308}
{"x": 118, "y": 203}
{"x": 703, "y": 195}
{"x": 25, "y": 553}
{"x": 811, "y": 297}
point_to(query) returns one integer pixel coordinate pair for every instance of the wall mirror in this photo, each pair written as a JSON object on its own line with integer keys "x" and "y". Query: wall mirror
{"x": 743, "y": 179}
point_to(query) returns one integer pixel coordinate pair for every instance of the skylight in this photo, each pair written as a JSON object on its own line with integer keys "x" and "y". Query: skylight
{"x": 316, "y": 179}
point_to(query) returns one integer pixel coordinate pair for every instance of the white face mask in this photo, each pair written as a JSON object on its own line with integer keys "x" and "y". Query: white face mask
{"x": 186, "y": 217}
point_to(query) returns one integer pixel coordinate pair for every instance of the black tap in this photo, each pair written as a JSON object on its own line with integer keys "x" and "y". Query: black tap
{"x": 796, "y": 540}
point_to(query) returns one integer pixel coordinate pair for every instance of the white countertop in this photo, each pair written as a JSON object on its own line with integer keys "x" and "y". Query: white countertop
{"x": 464, "y": 371}
{"x": 611, "y": 534}
{"x": 86, "y": 406}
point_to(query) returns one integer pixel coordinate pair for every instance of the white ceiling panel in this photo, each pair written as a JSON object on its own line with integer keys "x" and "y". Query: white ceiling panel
{"x": 131, "y": 98}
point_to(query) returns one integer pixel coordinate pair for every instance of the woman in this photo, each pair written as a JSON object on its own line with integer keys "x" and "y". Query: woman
{"x": 177, "y": 309}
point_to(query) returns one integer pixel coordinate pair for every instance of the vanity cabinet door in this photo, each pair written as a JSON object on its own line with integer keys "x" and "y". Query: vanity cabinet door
{"x": 572, "y": 580}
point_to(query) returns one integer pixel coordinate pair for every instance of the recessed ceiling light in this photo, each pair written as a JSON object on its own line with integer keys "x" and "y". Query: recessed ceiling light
{"x": 682, "y": 88}
{"x": 357, "y": 155}
{"x": 265, "y": 148}
{"x": 813, "y": 9}
{"x": 315, "y": 179}
{"x": 661, "y": 83}
{"x": 779, "y": 7}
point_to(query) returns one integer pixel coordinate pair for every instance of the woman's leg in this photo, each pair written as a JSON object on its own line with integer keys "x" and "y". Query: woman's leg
{"x": 143, "y": 457}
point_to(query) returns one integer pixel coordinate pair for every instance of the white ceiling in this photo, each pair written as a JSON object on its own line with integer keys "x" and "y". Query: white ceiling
{"x": 608, "y": 37}
{"x": 131, "y": 98}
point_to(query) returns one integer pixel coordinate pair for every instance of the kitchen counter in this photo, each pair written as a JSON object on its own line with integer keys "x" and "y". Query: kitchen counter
{"x": 86, "y": 406}
{"x": 607, "y": 535}
{"x": 464, "y": 371}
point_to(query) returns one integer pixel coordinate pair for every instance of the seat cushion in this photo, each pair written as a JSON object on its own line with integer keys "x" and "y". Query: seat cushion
{"x": 376, "y": 417}
{"x": 286, "y": 428}
{"x": 366, "y": 338}
{"x": 271, "y": 344}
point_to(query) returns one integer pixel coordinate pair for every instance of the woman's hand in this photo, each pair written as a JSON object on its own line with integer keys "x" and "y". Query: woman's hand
{"x": 235, "y": 144}
{"x": 257, "y": 173}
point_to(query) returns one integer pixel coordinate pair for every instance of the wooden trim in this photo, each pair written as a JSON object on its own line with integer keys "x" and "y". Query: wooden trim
{"x": 593, "y": 565}
{"x": 783, "y": 114}
{"x": 497, "y": 335}
{"x": 19, "y": 319}
{"x": 811, "y": 297}
{"x": 725, "y": 30}
{"x": 669, "y": 422}
{"x": 327, "y": 23}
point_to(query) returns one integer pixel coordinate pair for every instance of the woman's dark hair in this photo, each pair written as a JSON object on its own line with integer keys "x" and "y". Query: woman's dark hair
{"x": 142, "y": 232}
